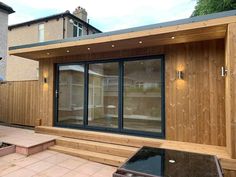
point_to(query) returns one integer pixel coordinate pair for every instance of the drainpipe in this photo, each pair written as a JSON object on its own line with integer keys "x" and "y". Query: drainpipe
{"x": 88, "y": 27}
{"x": 63, "y": 27}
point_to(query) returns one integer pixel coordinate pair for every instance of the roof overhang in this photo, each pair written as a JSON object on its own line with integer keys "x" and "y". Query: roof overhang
{"x": 182, "y": 31}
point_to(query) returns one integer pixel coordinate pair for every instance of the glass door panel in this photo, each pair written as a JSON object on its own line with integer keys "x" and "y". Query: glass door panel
{"x": 71, "y": 94}
{"x": 142, "y": 96}
{"x": 124, "y": 96}
{"x": 103, "y": 94}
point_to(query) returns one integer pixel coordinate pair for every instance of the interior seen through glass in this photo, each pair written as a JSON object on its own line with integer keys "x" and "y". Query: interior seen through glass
{"x": 71, "y": 94}
{"x": 142, "y": 95}
{"x": 103, "y": 95}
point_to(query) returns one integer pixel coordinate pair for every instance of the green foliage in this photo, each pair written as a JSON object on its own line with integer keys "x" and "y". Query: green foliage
{"x": 204, "y": 7}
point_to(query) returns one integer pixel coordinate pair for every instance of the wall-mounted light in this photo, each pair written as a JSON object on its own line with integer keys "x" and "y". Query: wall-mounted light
{"x": 171, "y": 161}
{"x": 223, "y": 71}
{"x": 45, "y": 80}
{"x": 180, "y": 75}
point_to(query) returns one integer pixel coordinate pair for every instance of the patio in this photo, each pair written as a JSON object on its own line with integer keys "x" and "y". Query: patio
{"x": 51, "y": 164}
{"x": 23, "y": 137}
{"x": 47, "y": 163}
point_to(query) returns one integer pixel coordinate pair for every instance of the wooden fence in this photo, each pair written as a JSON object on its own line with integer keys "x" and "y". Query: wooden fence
{"x": 19, "y": 102}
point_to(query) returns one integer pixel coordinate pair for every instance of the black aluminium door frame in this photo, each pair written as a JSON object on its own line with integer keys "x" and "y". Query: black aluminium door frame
{"x": 56, "y": 95}
{"x": 120, "y": 129}
{"x": 87, "y": 96}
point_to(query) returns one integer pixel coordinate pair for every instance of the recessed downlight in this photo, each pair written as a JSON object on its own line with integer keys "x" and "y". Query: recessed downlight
{"x": 172, "y": 37}
{"x": 67, "y": 51}
{"x": 89, "y": 48}
{"x": 171, "y": 161}
{"x": 140, "y": 42}
{"x": 112, "y": 45}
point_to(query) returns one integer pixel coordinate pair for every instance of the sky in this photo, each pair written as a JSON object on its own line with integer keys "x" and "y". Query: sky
{"x": 106, "y": 15}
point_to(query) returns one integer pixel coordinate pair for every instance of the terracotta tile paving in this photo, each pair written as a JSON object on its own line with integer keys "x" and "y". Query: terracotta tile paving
{"x": 47, "y": 163}
{"x": 22, "y": 137}
{"x": 51, "y": 164}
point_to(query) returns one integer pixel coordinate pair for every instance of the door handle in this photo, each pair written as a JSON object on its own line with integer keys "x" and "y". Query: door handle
{"x": 56, "y": 93}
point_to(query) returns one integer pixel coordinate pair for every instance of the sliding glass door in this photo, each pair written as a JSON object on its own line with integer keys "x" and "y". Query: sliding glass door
{"x": 70, "y": 94}
{"x": 103, "y": 95}
{"x": 142, "y": 95}
{"x": 125, "y": 95}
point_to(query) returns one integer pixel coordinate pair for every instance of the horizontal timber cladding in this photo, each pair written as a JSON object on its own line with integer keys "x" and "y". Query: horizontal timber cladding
{"x": 195, "y": 109}
{"x": 19, "y": 102}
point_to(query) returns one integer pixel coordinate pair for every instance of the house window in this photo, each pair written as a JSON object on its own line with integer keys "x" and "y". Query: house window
{"x": 77, "y": 29}
{"x": 125, "y": 96}
{"x": 41, "y": 32}
{"x": 1, "y": 78}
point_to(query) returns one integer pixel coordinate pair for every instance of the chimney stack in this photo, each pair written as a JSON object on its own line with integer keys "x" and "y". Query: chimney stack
{"x": 81, "y": 13}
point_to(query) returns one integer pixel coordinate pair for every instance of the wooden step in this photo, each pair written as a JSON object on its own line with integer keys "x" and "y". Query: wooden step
{"x": 98, "y": 136}
{"x": 92, "y": 156}
{"x": 105, "y": 148}
{"x": 132, "y": 141}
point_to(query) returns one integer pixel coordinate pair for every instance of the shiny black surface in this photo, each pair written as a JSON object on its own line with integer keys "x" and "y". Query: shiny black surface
{"x": 170, "y": 163}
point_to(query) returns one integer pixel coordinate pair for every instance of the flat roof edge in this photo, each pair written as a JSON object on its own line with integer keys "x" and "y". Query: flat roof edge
{"x": 135, "y": 29}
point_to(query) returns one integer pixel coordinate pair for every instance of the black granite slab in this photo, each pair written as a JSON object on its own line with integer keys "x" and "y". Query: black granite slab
{"x": 152, "y": 162}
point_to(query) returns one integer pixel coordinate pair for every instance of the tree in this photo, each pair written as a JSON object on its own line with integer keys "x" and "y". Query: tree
{"x": 204, "y": 7}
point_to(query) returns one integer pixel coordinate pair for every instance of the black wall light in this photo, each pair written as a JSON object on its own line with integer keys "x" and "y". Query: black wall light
{"x": 45, "y": 80}
{"x": 180, "y": 75}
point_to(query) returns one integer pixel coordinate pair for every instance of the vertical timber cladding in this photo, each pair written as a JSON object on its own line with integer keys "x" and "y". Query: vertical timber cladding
{"x": 230, "y": 62}
{"x": 195, "y": 105}
{"x": 195, "y": 109}
{"x": 19, "y": 102}
{"x": 46, "y": 92}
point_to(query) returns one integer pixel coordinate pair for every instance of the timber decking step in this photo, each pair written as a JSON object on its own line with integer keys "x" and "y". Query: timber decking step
{"x": 92, "y": 156}
{"x": 137, "y": 142}
{"x": 105, "y": 148}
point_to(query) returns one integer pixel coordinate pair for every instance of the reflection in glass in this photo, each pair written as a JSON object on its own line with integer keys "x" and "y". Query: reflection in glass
{"x": 71, "y": 94}
{"x": 103, "y": 95}
{"x": 147, "y": 160}
{"x": 167, "y": 163}
{"x": 142, "y": 95}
